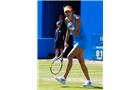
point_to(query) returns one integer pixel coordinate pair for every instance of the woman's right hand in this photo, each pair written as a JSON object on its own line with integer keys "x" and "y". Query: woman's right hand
{"x": 66, "y": 45}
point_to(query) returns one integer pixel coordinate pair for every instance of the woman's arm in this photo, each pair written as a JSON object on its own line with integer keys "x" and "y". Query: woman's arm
{"x": 67, "y": 34}
{"x": 77, "y": 30}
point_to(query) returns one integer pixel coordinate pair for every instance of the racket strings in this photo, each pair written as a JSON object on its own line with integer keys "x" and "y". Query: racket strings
{"x": 56, "y": 66}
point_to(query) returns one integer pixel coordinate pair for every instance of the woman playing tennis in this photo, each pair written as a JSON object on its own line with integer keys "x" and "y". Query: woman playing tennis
{"x": 74, "y": 24}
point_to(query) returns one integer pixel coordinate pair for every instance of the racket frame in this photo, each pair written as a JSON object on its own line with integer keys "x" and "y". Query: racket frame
{"x": 60, "y": 58}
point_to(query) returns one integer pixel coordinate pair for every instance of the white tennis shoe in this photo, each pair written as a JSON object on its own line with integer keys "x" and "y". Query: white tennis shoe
{"x": 87, "y": 84}
{"x": 61, "y": 80}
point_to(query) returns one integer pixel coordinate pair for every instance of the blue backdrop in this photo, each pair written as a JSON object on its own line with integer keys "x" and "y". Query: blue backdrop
{"x": 39, "y": 19}
{"x": 92, "y": 19}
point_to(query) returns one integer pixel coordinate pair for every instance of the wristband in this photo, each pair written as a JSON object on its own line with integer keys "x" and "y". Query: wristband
{"x": 72, "y": 28}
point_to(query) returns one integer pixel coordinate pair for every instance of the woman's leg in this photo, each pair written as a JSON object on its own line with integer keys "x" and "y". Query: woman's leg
{"x": 80, "y": 57}
{"x": 75, "y": 51}
{"x": 72, "y": 53}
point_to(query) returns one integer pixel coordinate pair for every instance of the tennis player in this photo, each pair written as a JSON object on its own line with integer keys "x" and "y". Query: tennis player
{"x": 74, "y": 24}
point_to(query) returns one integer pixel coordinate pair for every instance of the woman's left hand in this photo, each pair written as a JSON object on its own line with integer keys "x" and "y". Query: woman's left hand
{"x": 70, "y": 24}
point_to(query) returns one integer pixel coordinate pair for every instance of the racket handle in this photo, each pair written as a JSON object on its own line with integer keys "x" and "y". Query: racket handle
{"x": 64, "y": 49}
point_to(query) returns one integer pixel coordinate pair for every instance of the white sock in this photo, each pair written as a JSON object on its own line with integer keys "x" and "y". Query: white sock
{"x": 88, "y": 80}
{"x": 63, "y": 77}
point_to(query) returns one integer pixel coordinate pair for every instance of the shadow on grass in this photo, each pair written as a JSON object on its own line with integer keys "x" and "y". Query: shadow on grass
{"x": 93, "y": 87}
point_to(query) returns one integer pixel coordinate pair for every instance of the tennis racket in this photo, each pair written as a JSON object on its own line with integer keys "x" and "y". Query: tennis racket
{"x": 57, "y": 64}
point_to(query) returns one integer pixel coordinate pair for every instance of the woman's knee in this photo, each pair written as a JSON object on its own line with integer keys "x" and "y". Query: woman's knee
{"x": 69, "y": 56}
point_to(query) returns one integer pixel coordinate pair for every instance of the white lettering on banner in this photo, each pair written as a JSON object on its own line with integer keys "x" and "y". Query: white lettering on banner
{"x": 101, "y": 38}
{"x": 99, "y": 47}
{"x": 99, "y": 54}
